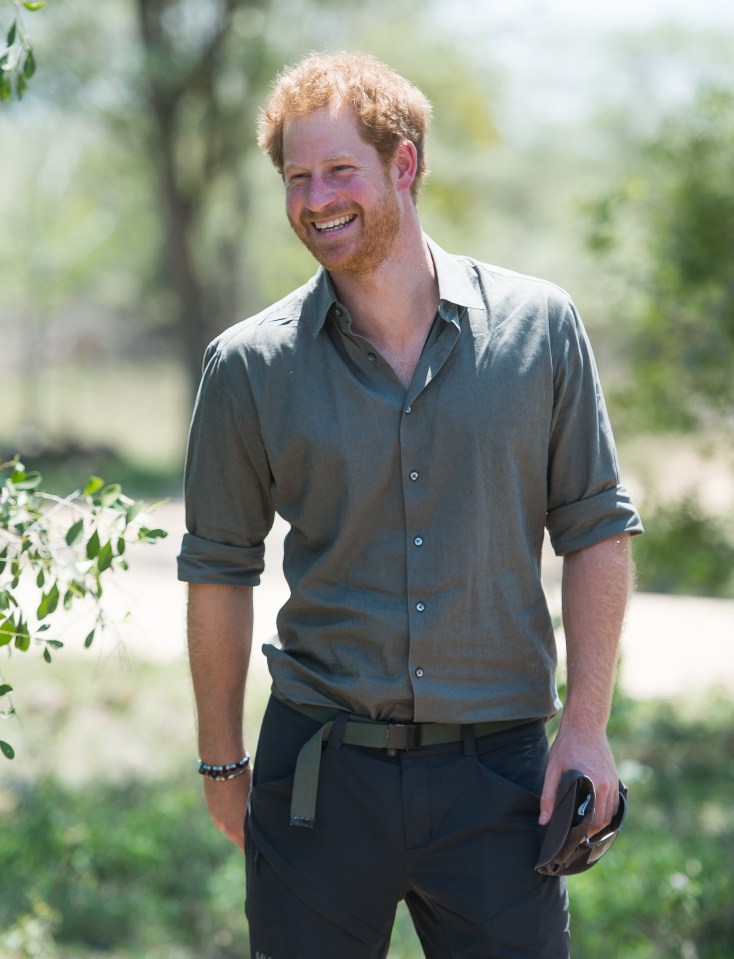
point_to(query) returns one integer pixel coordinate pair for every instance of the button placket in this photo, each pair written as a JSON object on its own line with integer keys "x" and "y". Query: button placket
{"x": 415, "y": 435}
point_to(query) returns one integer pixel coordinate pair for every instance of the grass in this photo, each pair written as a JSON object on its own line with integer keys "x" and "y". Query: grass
{"x": 107, "y": 849}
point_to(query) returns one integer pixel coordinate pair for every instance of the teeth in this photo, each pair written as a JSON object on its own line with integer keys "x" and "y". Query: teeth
{"x": 333, "y": 224}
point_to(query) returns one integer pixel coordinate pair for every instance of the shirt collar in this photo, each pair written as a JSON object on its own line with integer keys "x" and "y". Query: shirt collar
{"x": 320, "y": 300}
{"x": 456, "y": 280}
{"x": 456, "y": 289}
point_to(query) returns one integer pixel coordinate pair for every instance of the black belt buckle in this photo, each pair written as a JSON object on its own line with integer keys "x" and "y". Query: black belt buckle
{"x": 404, "y": 736}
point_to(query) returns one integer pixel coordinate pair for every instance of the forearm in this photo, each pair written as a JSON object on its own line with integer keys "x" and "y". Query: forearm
{"x": 596, "y": 588}
{"x": 220, "y": 638}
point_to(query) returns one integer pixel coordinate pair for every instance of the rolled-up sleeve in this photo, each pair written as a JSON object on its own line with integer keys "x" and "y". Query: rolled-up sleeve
{"x": 586, "y": 502}
{"x": 229, "y": 511}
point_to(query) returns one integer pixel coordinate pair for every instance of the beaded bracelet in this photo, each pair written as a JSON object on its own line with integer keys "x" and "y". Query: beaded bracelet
{"x": 230, "y": 771}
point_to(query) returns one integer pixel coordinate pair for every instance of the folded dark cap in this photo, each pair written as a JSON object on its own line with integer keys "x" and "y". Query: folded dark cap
{"x": 566, "y": 848}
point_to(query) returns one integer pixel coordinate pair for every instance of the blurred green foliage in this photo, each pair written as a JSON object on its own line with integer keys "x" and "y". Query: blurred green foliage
{"x": 135, "y": 868}
{"x": 131, "y": 172}
{"x": 678, "y": 205}
{"x": 686, "y": 551}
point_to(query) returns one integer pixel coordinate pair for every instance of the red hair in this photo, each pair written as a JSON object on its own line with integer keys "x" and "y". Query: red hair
{"x": 388, "y": 108}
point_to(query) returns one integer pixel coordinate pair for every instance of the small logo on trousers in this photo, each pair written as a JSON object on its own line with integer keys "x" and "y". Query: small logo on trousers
{"x": 261, "y": 955}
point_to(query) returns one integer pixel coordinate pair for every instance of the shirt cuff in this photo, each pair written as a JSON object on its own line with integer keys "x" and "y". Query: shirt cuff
{"x": 588, "y": 521}
{"x": 204, "y": 561}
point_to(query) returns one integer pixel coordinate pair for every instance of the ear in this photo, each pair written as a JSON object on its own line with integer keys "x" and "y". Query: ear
{"x": 406, "y": 165}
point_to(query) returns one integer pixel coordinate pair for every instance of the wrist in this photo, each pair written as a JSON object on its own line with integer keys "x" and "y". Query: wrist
{"x": 224, "y": 771}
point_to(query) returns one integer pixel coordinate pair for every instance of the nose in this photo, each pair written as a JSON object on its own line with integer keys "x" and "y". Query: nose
{"x": 320, "y": 193}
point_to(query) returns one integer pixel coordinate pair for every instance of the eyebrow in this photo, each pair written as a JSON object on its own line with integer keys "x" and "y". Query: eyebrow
{"x": 330, "y": 159}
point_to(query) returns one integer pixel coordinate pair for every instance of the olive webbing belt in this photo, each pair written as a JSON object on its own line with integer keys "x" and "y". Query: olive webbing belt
{"x": 359, "y": 731}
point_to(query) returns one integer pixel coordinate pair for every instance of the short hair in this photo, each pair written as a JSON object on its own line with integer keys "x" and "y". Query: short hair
{"x": 388, "y": 108}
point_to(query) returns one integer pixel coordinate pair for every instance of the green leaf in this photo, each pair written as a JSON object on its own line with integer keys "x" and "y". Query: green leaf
{"x": 34, "y": 5}
{"x": 29, "y": 66}
{"x": 27, "y": 481}
{"x": 148, "y": 535}
{"x": 49, "y": 602}
{"x": 47, "y": 655}
{"x": 40, "y": 579}
{"x": 121, "y": 544}
{"x": 74, "y": 533}
{"x": 11, "y": 33}
{"x": 89, "y": 639}
{"x": 3, "y": 559}
{"x": 7, "y": 749}
{"x": 105, "y": 557}
{"x": 22, "y": 638}
{"x": 132, "y": 511}
{"x": 55, "y": 643}
{"x": 110, "y": 494}
{"x": 94, "y": 484}
{"x": 7, "y": 631}
{"x": 93, "y": 545}
{"x": 5, "y": 689}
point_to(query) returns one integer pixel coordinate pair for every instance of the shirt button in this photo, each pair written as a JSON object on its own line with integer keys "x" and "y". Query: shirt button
{"x": 420, "y": 607}
{"x": 419, "y": 673}
{"x": 418, "y": 541}
{"x": 408, "y": 410}
{"x": 371, "y": 357}
{"x": 414, "y": 475}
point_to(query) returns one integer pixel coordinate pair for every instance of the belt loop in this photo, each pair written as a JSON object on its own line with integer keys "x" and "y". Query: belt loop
{"x": 469, "y": 740}
{"x": 336, "y": 736}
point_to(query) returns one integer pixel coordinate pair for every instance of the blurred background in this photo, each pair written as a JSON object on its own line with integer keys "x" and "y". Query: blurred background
{"x": 590, "y": 144}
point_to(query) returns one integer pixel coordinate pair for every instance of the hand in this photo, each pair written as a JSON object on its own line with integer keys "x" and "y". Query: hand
{"x": 589, "y": 752}
{"x": 227, "y": 802}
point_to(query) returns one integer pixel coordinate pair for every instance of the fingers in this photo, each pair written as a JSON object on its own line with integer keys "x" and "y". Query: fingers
{"x": 606, "y": 806}
{"x": 227, "y": 802}
{"x": 589, "y": 752}
{"x": 548, "y": 796}
{"x": 237, "y": 838}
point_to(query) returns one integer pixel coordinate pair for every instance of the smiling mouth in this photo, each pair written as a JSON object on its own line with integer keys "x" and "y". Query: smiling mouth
{"x": 331, "y": 226}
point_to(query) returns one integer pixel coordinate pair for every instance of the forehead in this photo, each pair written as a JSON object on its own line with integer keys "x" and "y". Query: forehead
{"x": 324, "y": 133}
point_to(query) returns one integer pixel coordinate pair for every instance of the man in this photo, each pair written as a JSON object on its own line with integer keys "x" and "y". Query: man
{"x": 418, "y": 419}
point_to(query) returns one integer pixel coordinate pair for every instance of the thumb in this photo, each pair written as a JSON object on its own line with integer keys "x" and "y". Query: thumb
{"x": 548, "y": 796}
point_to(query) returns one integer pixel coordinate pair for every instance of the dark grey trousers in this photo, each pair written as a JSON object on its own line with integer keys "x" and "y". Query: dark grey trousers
{"x": 450, "y": 829}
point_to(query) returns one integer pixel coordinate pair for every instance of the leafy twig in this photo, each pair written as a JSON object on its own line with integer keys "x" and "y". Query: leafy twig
{"x": 17, "y": 60}
{"x": 66, "y": 546}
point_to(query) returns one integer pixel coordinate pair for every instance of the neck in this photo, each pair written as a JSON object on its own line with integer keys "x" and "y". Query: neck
{"x": 397, "y": 301}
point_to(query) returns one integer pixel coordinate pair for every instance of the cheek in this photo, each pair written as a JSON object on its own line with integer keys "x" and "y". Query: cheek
{"x": 293, "y": 205}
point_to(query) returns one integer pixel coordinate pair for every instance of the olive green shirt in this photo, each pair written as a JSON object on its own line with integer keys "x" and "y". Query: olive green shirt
{"x": 416, "y": 517}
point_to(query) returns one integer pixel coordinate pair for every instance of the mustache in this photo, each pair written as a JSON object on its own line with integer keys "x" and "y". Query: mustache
{"x": 328, "y": 213}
